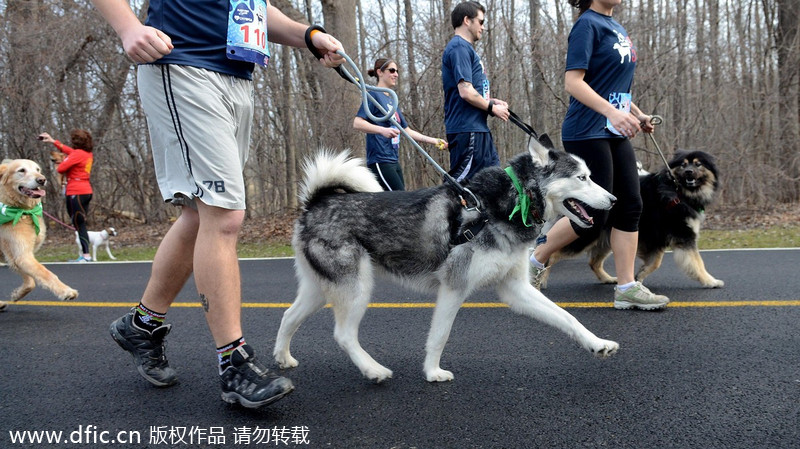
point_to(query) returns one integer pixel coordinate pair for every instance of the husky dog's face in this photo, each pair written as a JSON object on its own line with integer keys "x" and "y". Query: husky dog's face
{"x": 696, "y": 174}
{"x": 567, "y": 188}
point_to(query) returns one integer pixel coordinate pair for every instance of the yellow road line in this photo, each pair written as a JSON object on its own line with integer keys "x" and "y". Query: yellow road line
{"x": 426, "y": 305}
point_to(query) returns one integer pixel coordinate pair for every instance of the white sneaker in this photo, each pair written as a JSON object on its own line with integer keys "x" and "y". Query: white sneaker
{"x": 638, "y": 297}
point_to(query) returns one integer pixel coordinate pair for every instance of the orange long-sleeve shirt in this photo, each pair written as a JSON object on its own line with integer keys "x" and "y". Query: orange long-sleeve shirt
{"x": 77, "y": 167}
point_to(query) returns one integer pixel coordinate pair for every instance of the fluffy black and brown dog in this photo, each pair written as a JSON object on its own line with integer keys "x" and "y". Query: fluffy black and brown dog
{"x": 672, "y": 214}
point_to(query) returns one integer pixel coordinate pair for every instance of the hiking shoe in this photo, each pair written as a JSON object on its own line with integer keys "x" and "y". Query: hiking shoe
{"x": 147, "y": 349}
{"x": 639, "y": 297}
{"x": 250, "y": 383}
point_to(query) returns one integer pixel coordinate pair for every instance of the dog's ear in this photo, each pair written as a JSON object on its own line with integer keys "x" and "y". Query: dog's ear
{"x": 678, "y": 158}
{"x": 3, "y": 169}
{"x": 539, "y": 153}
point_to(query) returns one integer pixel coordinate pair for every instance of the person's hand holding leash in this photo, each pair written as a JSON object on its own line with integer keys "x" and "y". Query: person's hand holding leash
{"x": 645, "y": 122}
{"x": 327, "y": 45}
{"x": 499, "y": 109}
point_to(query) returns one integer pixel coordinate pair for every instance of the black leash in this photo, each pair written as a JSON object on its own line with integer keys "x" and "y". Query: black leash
{"x": 544, "y": 139}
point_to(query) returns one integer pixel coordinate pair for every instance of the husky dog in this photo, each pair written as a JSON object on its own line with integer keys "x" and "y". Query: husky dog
{"x": 671, "y": 218}
{"x": 427, "y": 239}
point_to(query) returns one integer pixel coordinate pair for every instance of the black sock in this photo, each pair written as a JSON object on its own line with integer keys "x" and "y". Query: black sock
{"x": 224, "y": 353}
{"x": 147, "y": 319}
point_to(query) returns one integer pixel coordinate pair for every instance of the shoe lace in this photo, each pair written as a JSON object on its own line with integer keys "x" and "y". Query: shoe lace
{"x": 153, "y": 352}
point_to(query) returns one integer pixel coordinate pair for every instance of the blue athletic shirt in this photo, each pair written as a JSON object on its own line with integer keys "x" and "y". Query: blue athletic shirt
{"x": 460, "y": 62}
{"x": 198, "y": 29}
{"x": 601, "y": 46}
{"x": 381, "y": 150}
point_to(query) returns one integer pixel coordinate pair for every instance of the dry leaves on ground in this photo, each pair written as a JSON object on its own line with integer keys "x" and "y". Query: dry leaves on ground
{"x": 278, "y": 229}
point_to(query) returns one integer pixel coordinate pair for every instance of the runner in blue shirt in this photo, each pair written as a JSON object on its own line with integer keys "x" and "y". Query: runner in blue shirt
{"x": 467, "y": 99}
{"x": 600, "y": 120}
{"x": 383, "y": 138}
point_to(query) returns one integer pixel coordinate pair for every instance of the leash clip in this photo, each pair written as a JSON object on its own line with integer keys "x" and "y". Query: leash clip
{"x": 465, "y": 205}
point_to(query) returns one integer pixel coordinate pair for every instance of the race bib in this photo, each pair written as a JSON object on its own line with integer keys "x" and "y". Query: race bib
{"x": 396, "y": 139}
{"x": 621, "y": 101}
{"x": 247, "y": 31}
{"x": 486, "y": 91}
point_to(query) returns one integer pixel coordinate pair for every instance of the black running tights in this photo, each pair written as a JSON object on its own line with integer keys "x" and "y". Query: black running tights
{"x": 77, "y": 206}
{"x": 613, "y": 166}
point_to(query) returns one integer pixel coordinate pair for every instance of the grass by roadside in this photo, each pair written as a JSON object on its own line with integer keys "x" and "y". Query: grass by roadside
{"x": 772, "y": 237}
{"x": 58, "y": 252}
{"x": 779, "y": 236}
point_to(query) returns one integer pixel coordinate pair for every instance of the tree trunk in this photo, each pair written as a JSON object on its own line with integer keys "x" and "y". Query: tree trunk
{"x": 340, "y": 98}
{"x": 788, "y": 43}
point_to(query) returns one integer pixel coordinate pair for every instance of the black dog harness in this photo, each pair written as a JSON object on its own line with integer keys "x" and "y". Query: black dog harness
{"x": 469, "y": 231}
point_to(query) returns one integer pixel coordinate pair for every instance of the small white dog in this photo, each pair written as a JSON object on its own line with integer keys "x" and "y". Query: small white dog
{"x": 97, "y": 238}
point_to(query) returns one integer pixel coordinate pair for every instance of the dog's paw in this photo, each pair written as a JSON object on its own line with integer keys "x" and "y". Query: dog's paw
{"x": 286, "y": 361}
{"x": 714, "y": 283}
{"x": 20, "y": 293}
{"x": 605, "y": 348}
{"x": 68, "y": 295}
{"x": 439, "y": 375}
{"x": 3, "y": 306}
{"x": 378, "y": 373}
{"x": 608, "y": 280}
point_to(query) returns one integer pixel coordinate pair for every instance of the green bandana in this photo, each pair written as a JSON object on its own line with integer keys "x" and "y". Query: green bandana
{"x": 523, "y": 200}
{"x": 13, "y": 214}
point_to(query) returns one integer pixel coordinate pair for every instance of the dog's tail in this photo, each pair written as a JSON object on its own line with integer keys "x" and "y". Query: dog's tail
{"x": 329, "y": 170}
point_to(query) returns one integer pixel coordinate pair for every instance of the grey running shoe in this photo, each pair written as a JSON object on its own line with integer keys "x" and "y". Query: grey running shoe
{"x": 250, "y": 383}
{"x": 639, "y": 297}
{"x": 147, "y": 349}
{"x": 537, "y": 276}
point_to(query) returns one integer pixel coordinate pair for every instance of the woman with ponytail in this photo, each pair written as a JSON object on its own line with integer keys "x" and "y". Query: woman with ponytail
{"x": 383, "y": 138}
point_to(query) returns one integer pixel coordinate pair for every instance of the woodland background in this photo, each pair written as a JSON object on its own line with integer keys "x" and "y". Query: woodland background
{"x": 723, "y": 74}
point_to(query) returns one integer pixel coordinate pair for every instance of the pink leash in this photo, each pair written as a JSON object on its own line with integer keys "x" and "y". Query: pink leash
{"x": 58, "y": 221}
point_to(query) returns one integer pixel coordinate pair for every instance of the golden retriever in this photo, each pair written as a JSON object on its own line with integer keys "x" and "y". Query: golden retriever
{"x": 22, "y": 188}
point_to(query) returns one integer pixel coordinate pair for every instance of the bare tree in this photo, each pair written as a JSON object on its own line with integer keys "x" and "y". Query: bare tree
{"x": 788, "y": 43}
{"x": 725, "y": 76}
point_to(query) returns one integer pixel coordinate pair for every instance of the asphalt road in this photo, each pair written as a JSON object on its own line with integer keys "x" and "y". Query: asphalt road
{"x": 717, "y": 369}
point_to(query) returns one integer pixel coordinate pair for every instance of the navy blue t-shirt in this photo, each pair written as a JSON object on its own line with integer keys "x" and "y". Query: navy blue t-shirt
{"x": 198, "y": 29}
{"x": 601, "y": 46}
{"x": 381, "y": 150}
{"x": 460, "y": 62}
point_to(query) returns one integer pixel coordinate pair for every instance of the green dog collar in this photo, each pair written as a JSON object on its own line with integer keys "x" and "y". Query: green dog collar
{"x": 523, "y": 201}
